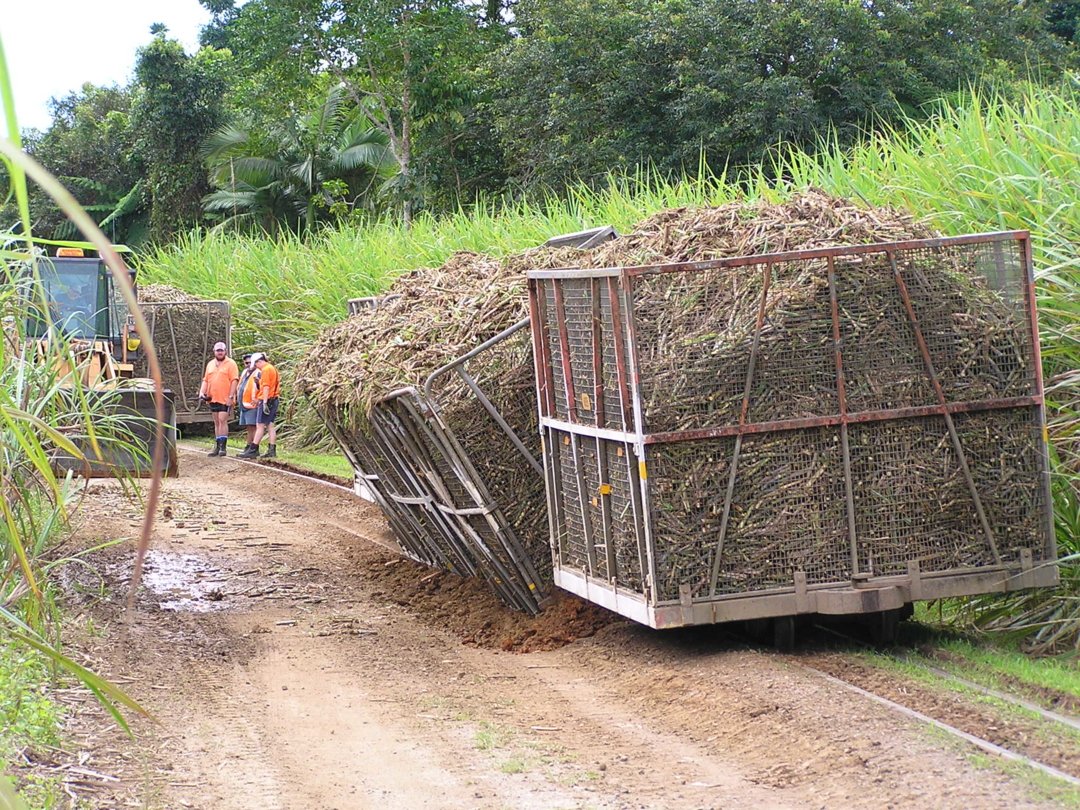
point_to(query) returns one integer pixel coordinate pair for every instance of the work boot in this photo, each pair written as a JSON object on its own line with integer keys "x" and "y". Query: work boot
{"x": 271, "y": 451}
{"x": 224, "y": 443}
{"x": 217, "y": 449}
{"x": 251, "y": 451}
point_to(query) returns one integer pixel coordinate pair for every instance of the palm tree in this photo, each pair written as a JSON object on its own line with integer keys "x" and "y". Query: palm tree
{"x": 127, "y": 210}
{"x": 280, "y": 175}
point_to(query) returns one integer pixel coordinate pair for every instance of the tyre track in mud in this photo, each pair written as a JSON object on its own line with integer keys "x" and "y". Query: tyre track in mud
{"x": 314, "y": 681}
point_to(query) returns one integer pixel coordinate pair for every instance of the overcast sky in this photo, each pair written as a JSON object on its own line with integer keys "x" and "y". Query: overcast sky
{"x": 55, "y": 46}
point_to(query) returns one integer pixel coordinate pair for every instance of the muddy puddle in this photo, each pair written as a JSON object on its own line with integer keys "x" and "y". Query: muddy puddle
{"x": 185, "y": 582}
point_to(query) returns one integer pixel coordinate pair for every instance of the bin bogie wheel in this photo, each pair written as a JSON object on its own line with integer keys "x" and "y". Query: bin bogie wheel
{"x": 784, "y": 633}
{"x": 885, "y": 626}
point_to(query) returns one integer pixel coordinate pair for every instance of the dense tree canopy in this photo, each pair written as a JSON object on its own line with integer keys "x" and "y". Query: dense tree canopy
{"x": 328, "y": 163}
{"x": 514, "y": 96}
{"x": 179, "y": 103}
{"x": 594, "y": 85}
{"x": 91, "y": 146}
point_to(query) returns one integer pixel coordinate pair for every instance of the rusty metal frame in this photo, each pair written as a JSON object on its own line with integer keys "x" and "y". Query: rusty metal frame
{"x": 626, "y": 287}
{"x": 545, "y": 399}
{"x": 588, "y": 238}
{"x": 744, "y": 410}
{"x": 1036, "y": 352}
{"x": 622, "y": 374}
{"x": 435, "y": 521}
{"x": 513, "y": 585}
{"x": 885, "y": 593}
{"x": 604, "y": 495}
{"x": 931, "y": 373}
{"x": 409, "y": 535}
{"x": 780, "y": 258}
{"x": 864, "y": 592}
{"x": 458, "y": 366}
{"x": 782, "y": 425}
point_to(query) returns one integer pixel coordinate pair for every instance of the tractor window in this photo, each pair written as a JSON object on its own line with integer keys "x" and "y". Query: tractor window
{"x": 76, "y": 296}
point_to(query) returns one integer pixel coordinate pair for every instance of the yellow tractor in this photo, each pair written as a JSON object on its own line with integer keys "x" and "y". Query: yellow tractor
{"x": 87, "y": 313}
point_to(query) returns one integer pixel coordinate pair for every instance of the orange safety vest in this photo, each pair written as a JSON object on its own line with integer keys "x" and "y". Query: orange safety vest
{"x": 269, "y": 382}
{"x": 249, "y": 397}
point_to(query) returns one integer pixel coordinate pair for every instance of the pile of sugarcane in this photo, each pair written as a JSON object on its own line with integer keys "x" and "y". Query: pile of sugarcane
{"x": 694, "y": 332}
{"x": 788, "y": 510}
{"x": 695, "y": 329}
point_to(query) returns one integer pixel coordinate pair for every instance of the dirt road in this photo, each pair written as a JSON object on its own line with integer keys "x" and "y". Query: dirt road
{"x": 293, "y": 661}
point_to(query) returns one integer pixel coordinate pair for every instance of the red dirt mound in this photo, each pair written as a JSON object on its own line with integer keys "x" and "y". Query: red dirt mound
{"x": 469, "y": 610}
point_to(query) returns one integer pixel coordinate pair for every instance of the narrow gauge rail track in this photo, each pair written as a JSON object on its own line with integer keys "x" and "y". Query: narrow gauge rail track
{"x": 1047, "y": 714}
{"x": 285, "y": 469}
{"x": 985, "y": 745}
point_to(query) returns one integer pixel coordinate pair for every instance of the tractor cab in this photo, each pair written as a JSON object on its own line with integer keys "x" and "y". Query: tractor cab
{"x": 79, "y": 292}
{"x": 74, "y": 299}
{"x": 83, "y": 306}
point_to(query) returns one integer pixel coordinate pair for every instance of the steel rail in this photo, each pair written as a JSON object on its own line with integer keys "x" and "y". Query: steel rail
{"x": 906, "y": 711}
{"x": 978, "y": 742}
{"x": 1047, "y": 714}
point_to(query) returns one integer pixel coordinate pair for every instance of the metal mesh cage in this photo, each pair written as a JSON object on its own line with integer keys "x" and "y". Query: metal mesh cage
{"x": 449, "y": 464}
{"x": 806, "y": 420}
{"x": 184, "y": 334}
{"x": 597, "y": 513}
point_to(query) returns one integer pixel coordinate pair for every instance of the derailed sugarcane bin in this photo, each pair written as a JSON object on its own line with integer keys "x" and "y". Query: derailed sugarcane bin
{"x": 452, "y": 456}
{"x": 417, "y": 459}
{"x": 839, "y": 430}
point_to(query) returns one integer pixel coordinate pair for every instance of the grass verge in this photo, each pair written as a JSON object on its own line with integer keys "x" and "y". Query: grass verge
{"x": 328, "y": 463}
{"x": 994, "y": 662}
{"x": 914, "y": 671}
{"x": 986, "y": 665}
{"x": 29, "y": 720}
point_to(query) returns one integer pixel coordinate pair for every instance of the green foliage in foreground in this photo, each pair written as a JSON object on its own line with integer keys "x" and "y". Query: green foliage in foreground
{"x": 29, "y": 719}
{"x": 42, "y": 410}
{"x": 27, "y": 715}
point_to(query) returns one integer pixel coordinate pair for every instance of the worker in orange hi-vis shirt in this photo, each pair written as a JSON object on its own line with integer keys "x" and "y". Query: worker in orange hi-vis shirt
{"x": 246, "y": 398}
{"x": 219, "y": 389}
{"x": 268, "y": 399}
